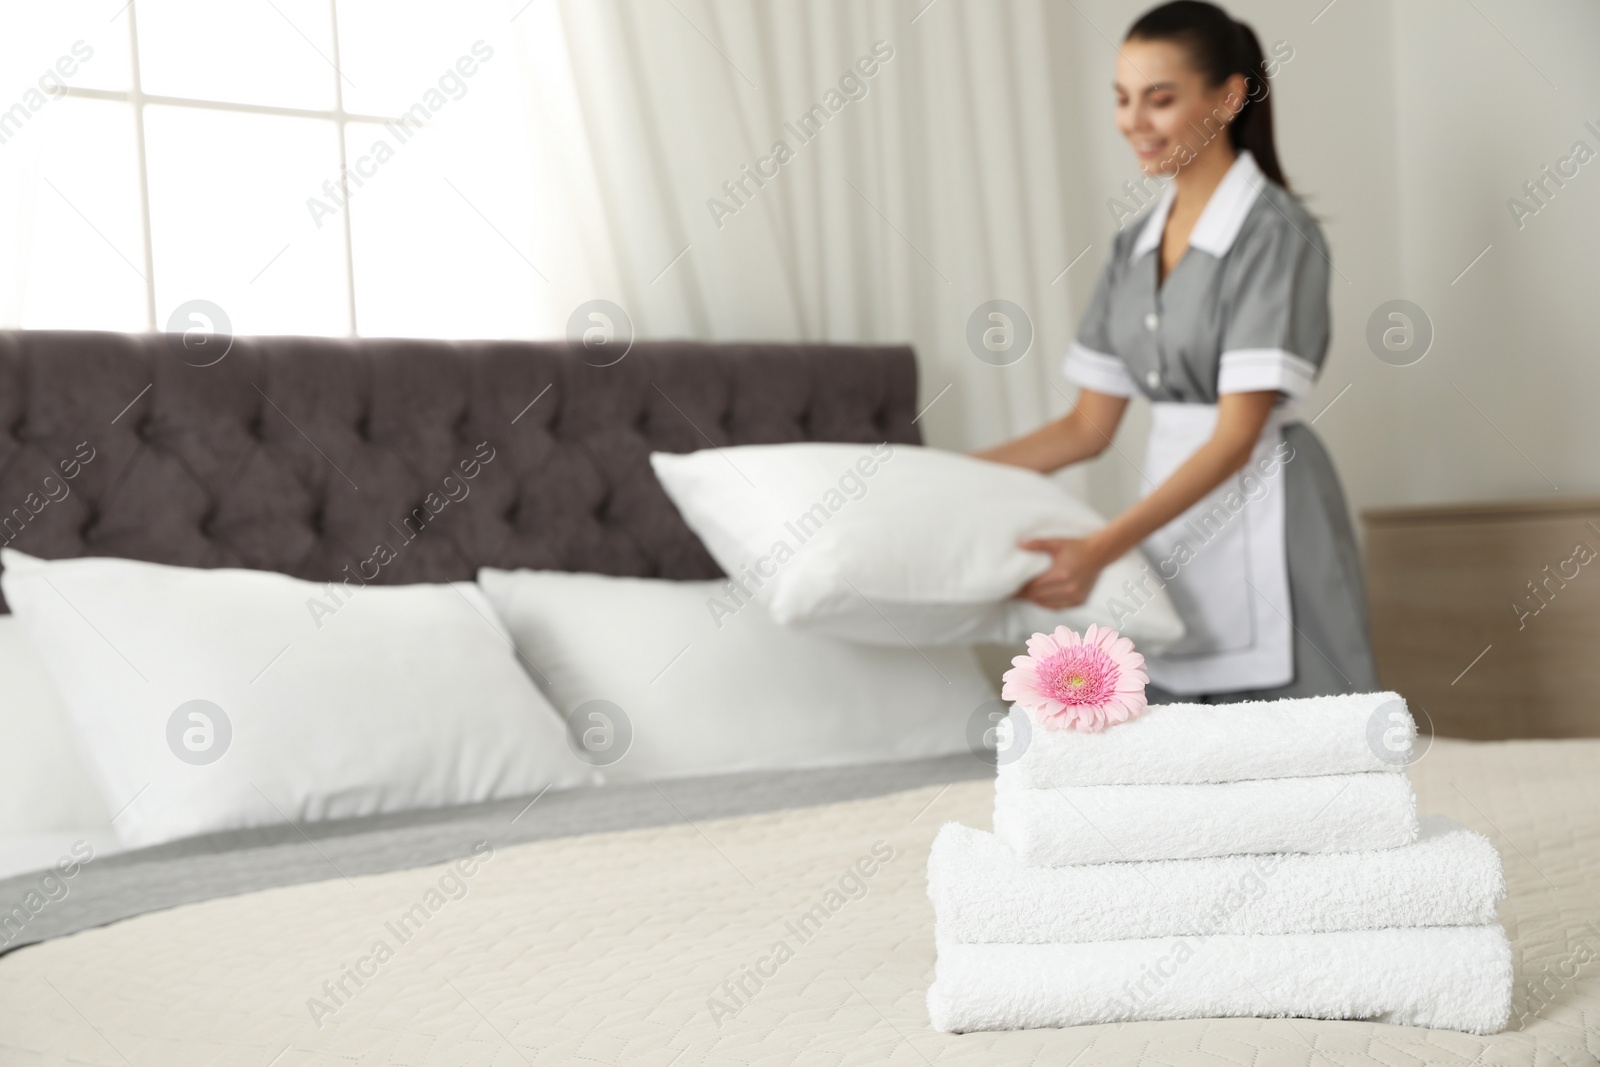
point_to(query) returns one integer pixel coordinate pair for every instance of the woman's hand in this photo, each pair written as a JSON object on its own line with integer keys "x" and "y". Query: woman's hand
{"x": 1082, "y": 433}
{"x": 1076, "y": 563}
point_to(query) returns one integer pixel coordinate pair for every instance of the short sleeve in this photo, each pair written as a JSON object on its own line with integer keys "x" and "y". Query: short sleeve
{"x": 1090, "y": 362}
{"x": 1276, "y": 335}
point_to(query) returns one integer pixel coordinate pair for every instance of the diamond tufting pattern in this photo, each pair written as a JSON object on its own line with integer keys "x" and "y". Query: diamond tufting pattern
{"x": 302, "y": 455}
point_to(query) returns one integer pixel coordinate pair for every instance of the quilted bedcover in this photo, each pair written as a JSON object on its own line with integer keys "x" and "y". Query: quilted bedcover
{"x": 801, "y": 936}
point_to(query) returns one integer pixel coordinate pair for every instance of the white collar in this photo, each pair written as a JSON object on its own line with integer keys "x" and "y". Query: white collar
{"x": 1218, "y": 224}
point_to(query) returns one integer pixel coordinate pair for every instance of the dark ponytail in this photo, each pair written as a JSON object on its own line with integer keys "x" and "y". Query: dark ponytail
{"x": 1220, "y": 47}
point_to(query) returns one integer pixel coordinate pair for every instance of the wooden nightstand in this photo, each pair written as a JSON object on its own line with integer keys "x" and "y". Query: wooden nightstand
{"x": 1487, "y": 616}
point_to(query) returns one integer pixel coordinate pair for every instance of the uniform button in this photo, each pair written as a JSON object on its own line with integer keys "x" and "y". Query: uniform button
{"x": 1151, "y": 321}
{"x": 1153, "y": 379}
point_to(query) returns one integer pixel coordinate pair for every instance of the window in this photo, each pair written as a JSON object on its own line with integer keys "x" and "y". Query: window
{"x": 335, "y": 167}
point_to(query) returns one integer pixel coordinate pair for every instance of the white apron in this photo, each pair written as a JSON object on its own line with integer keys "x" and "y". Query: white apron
{"x": 1223, "y": 561}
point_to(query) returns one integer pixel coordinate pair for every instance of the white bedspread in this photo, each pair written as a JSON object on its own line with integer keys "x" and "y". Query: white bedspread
{"x": 616, "y": 949}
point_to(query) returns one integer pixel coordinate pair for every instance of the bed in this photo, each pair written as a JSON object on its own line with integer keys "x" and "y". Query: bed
{"x": 635, "y": 923}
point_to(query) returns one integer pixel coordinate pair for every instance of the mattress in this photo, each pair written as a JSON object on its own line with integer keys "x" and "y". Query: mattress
{"x": 791, "y": 935}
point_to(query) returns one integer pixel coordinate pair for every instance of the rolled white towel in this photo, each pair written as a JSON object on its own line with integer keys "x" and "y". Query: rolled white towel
{"x": 1107, "y": 823}
{"x": 1449, "y": 876}
{"x": 1219, "y": 743}
{"x": 1448, "y": 977}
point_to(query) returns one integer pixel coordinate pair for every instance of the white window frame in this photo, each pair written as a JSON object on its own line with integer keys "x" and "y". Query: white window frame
{"x": 137, "y": 98}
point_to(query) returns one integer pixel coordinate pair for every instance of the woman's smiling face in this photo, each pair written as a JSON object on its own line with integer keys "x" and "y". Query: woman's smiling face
{"x": 1165, "y": 108}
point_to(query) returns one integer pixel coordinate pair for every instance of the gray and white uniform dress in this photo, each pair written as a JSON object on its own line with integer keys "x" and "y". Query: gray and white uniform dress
{"x": 1264, "y": 570}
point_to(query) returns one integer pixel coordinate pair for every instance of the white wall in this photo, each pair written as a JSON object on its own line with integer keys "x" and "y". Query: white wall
{"x": 1406, "y": 125}
{"x": 1476, "y": 119}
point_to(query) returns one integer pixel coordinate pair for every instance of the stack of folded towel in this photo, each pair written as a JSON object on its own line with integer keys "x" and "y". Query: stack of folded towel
{"x": 1259, "y": 859}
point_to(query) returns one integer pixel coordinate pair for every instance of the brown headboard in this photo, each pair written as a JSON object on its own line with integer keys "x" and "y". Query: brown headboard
{"x": 305, "y": 455}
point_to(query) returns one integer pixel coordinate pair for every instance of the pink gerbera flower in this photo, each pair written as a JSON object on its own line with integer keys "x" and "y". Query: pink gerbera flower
{"x": 1084, "y": 683}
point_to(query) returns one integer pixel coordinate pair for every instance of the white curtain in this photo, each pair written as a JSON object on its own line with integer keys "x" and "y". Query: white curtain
{"x": 916, "y": 194}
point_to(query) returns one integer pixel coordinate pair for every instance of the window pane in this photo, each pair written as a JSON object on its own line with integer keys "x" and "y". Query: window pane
{"x": 83, "y": 43}
{"x": 443, "y": 232}
{"x": 250, "y": 51}
{"x": 444, "y": 221}
{"x": 228, "y": 195}
{"x": 394, "y": 51}
{"x": 71, "y": 246}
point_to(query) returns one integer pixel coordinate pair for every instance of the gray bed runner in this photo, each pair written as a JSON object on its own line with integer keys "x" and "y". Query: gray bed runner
{"x": 126, "y": 884}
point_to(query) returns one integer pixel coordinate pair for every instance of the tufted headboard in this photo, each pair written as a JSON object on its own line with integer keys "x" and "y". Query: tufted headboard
{"x": 305, "y": 455}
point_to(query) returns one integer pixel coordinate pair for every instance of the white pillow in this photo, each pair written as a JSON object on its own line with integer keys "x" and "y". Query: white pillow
{"x": 45, "y": 785}
{"x": 219, "y": 699}
{"x": 65, "y": 850}
{"x": 681, "y": 693}
{"x": 895, "y": 543}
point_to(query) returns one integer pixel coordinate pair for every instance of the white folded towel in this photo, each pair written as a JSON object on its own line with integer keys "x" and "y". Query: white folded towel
{"x": 1106, "y": 823}
{"x": 1450, "y": 876}
{"x": 1450, "y": 977}
{"x": 1220, "y": 743}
